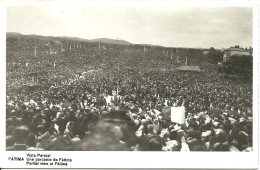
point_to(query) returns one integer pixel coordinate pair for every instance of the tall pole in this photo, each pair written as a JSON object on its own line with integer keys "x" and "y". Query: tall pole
{"x": 99, "y": 45}
{"x": 144, "y": 48}
{"x": 70, "y": 46}
{"x": 117, "y": 41}
{"x": 35, "y": 51}
{"x": 177, "y": 54}
{"x": 186, "y": 62}
{"x": 50, "y": 50}
{"x": 171, "y": 54}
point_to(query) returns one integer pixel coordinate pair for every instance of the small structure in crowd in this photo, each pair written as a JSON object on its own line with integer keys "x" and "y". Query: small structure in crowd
{"x": 234, "y": 51}
{"x": 189, "y": 68}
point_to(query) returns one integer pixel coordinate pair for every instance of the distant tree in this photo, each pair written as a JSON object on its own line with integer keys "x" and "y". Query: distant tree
{"x": 52, "y": 43}
{"x": 194, "y": 53}
{"x": 35, "y": 41}
{"x": 215, "y": 56}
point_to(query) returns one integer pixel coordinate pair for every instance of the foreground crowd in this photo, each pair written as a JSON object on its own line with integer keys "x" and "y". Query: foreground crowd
{"x": 118, "y": 104}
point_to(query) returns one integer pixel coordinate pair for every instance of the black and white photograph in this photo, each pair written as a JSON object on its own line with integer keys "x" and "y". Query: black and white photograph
{"x": 134, "y": 78}
{"x": 129, "y": 79}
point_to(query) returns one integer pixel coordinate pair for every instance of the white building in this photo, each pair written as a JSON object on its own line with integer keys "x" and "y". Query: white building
{"x": 233, "y": 51}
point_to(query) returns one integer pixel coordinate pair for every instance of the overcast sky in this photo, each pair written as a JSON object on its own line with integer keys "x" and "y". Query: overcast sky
{"x": 168, "y": 26}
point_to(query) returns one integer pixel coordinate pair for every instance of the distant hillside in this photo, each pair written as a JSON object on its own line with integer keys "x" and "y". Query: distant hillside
{"x": 150, "y": 45}
{"x": 73, "y": 39}
{"x": 111, "y": 41}
{"x": 41, "y": 37}
{"x": 65, "y": 38}
{"x": 13, "y": 33}
{"x": 33, "y": 39}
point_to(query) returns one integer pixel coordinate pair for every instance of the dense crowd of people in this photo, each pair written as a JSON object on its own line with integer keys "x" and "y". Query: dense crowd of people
{"x": 111, "y": 99}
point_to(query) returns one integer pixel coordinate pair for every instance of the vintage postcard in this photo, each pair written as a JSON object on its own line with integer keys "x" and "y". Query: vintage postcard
{"x": 130, "y": 84}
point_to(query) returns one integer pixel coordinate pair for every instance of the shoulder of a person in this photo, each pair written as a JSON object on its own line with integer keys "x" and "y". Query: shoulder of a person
{"x": 10, "y": 148}
{"x": 9, "y": 119}
{"x": 34, "y": 149}
{"x": 180, "y": 131}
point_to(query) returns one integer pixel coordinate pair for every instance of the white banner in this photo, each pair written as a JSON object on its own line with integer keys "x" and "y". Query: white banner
{"x": 178, "y": 114}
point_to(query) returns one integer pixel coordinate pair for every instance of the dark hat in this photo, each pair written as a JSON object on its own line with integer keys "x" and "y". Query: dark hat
{"x": 116, "y": 116}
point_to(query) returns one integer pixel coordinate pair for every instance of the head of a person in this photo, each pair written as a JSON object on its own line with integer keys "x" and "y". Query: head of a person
{"x": 193, "y": 124}
{"x": 20, "y": 134}
{"x": 31, "y": 140}
{"x": 154, "y": 144}
{"x": 117, "y": 131}
{"x": 9, "y": 140}
{"x": 144, "y": 122}
{"x": 176, "y": 126}
{"x": 165, "y": 123}
{"x": 151, "y": 129}
{"x": 41, "y": 129}
{"x": 70, "y": 125}
{"x": 227, "y": 126}
{"x": 13, "y": 113}
{"x": 155, "y": 121}
{"x": 59, "y": 115}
